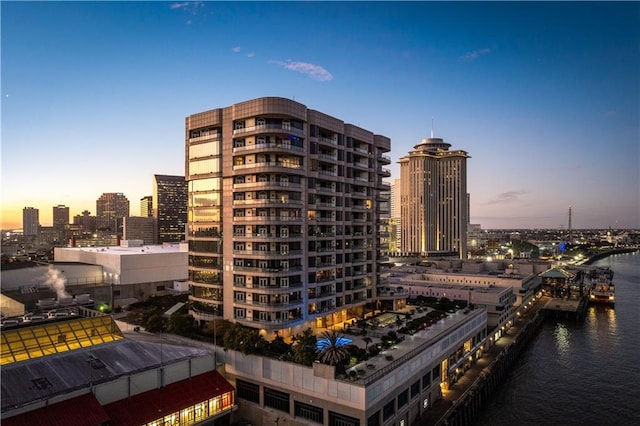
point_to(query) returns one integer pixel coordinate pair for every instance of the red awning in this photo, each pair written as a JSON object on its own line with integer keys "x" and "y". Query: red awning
{"x": 83, "y": 410}
{"x": 148, "y": 406}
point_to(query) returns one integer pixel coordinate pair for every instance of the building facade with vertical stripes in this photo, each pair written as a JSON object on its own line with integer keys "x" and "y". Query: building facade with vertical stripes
{"x": 434, "y": 199}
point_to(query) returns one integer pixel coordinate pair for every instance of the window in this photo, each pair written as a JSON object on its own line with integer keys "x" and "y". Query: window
{"x": 435, "y": 372}
{"x": 310, "y": 412}
{"x": 248, "y": 391}
{"x": 403, "y": 399}
{"x": 336, "y": 419}
{"x": 374, "y": 420}
{"x": 276, "y": 399}
{"x": 388, "y": 410}
{"x": 415, "y": 389}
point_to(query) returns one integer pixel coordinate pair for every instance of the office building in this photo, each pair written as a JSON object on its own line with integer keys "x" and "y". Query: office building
{"x": 86, "y": 221}
{"x": 111, "y": 207}
{"x": 146, "y": 206}
{"x": 30, "y": 221}
{"x": 434, "y": 199}
{"x": 296, "y": 193}
{"x": 170, "y": 207}
{"x": 60, "y": 216}
{"x": 140, "y": 228}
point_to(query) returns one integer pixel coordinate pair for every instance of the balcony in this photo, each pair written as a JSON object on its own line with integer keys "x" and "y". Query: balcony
{"x": 266, "y": 219}
{"x": 268, "y": 236}
{"x": 267, "y": 202}
{"x": 271, "y": 146}
{"x": 269, "y": 271}
{"x": 269, "y": 306}
{"x": 329, "y": 141}
{"x": 384, "y": 159}
{"x": 269, "y": 166}
{"x": 261, "y": 128}
{"x": 267, "y": 185}
{"x": 270, "y": 324}
{"x": 205, "y": 136}
{"x": 267, "y": 254}
{"x": 384, "y": 172}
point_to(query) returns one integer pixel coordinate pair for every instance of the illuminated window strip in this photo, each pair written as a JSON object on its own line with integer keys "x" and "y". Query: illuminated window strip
{"x": 196, "y": 413}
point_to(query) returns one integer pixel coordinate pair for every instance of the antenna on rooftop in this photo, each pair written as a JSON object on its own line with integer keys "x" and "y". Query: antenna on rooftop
{"x": 431, "y": 127}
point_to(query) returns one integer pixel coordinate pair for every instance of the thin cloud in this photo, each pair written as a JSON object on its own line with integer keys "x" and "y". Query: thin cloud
{"x": 508, "y": 197}
{"x": 472, "y": 56}
{"x": 236, "y": 49}
{"x": 250, "y": 55}
{"x": 190, "y": 6}
{"x": 312, "y": 70}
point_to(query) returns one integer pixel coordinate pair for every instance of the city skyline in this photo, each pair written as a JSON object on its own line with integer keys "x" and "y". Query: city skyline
{"x": 543, "y": 96}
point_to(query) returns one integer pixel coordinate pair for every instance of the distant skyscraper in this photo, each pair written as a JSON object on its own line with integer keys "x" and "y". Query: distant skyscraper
{"x": 170, "y": 207}
{"x": 60, "y": 216}
{"x": 111, "y": 207}
{"x": 146, "y": 206}
{"x": 86, "y": 221}
{"x": 140, "y": 228}
{"x": 298, "y": 196}
{"x": 434, "y": 198}
{"x": 30, "y": 221}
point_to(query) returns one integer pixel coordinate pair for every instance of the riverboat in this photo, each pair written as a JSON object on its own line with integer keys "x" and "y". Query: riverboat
{"x": 602, "y": 288}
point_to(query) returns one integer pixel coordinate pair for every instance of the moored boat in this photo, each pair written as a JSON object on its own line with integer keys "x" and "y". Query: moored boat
{"x": 602, "y": 289}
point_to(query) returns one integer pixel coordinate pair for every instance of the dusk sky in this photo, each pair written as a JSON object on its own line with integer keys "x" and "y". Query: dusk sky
{"x": 545, "y": 97}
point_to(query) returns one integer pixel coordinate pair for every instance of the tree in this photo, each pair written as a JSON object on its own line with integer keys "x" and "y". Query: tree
{"x": 244, "y": 339}
{"x": 181, "y": 324}
{"x": 334, "y": 350}
{"x": 305, "y": 347}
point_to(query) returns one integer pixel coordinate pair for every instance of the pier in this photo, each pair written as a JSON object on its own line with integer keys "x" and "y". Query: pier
{"x": 557, "y": 307}
{"x": 467, "y": 397}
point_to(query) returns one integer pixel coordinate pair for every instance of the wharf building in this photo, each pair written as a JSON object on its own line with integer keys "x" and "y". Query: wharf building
{"x": 297, "y": 195}
{"x": 501, "y": 288}
{"x": 393, "y": 388}
{"x": 434, "y": 199}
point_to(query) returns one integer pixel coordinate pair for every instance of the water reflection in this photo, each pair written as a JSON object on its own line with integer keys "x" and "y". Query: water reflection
{"x": 561, "y": 334}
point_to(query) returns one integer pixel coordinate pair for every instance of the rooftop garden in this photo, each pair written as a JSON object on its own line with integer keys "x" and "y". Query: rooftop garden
{"x": 374, "y": 334}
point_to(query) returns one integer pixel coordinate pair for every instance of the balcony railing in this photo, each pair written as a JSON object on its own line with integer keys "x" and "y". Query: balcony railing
{"x": 279, "y": 164}
{"x": 263, "y": 127}
{"x": 277, "y": 145}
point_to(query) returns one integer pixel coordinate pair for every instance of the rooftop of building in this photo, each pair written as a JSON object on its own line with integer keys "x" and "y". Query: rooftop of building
{"x": 49, "y": 359}
{"x": 132, "y": 247}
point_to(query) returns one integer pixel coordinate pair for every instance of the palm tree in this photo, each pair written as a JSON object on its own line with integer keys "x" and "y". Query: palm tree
{"x": 334, "y": 350}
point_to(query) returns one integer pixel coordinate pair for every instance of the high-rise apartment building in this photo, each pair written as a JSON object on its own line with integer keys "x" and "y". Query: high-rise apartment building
{"x": 434, "y": 199}
{"x": 296, "y": 194}
{"x": 111, "y": 207}
{"x": 170, "y": 207}
{"x": 60, "y": 216}
{"x": 30, "y": 221}
{"x": 146, "y": 206}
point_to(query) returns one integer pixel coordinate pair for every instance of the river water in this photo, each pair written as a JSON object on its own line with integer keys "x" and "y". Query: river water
{"x": 579, "y": 373}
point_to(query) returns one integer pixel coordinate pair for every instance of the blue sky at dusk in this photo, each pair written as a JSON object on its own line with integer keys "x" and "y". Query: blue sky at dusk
{"x": 544, "y": 96}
